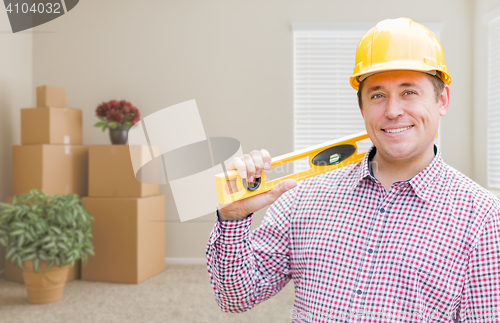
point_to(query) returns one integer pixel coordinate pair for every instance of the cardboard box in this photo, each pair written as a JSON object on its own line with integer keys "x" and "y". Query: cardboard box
{"x": 128, "y": 238}
{"x": 57, "y": 169}
{"x": 111, "y": 173}
{"x": 51, "y": 96}
{"x": 15, "y": 274}
{"x": 51, "y": 126}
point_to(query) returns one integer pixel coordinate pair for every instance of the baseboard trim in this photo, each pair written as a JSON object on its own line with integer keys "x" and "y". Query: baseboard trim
{"x": 185, "y": 261}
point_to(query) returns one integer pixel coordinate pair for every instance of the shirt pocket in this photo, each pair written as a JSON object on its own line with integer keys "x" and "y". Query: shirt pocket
{"x": 426, "y": 277}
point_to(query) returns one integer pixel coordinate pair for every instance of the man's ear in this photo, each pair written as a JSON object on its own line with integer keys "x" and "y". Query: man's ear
{"x": 359, "y": 99}
{"x": 444, "y": 100}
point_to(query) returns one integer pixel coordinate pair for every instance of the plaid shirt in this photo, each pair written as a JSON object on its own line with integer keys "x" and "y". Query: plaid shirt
{"x": 428, "y": 250}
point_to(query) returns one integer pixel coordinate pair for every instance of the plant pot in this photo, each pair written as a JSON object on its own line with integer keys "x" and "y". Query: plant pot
{"x": 118, "y": 136}
{"x": 44, "y": 288}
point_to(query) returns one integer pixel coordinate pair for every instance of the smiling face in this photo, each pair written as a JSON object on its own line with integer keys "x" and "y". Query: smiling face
{"x": 401, "y": 115}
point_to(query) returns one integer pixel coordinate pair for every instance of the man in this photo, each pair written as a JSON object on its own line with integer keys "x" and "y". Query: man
{"x": 399, "y": 236}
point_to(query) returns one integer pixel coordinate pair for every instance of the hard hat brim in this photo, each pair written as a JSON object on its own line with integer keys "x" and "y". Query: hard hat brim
{"x": 442, "y": 73}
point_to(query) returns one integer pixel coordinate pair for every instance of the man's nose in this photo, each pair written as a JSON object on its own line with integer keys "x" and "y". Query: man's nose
{"x": 394, "y": 108}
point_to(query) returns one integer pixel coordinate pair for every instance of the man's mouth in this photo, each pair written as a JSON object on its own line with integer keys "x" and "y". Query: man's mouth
{"x": 397, "y": 130}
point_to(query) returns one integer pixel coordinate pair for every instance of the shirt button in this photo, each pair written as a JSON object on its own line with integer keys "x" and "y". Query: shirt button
{"x": 359, "y": 292}
{"x": 370, "y": 250}
{"x": 382, "y": 210}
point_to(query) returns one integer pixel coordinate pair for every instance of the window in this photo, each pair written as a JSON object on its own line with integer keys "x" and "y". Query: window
{"x": 493, "y": 134}
{"x": 325, "y": 105}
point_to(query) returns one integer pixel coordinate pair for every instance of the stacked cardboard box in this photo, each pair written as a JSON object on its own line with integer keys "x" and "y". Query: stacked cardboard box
{"x": 51, "y": 155}
{"x": 129, "y": 218}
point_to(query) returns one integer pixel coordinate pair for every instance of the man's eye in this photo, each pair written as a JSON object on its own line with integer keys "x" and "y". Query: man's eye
{"x": 410, "y": 92}
{"x": 376, "y": 96}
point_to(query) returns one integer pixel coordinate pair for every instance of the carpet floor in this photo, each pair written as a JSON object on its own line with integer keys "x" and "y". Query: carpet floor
{"x": 181, "y": 294}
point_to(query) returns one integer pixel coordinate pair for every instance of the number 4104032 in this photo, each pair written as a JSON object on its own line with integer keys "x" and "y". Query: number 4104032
{"x": 35, "y": 8}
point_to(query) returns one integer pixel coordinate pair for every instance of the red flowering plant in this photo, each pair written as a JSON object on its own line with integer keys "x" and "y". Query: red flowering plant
{"x": 116, "y": 114}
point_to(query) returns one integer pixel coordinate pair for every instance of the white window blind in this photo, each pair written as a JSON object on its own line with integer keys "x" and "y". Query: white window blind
{"x": 493, "y": 132}
{"x": 325, "y": 105}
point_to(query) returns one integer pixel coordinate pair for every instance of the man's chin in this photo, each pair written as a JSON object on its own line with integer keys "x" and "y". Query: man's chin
{"x": 396, "y": 155}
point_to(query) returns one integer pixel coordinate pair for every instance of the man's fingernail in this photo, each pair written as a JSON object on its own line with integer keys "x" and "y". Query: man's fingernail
{"x": 243, "y": 174}
{"x": 267, "y": 165}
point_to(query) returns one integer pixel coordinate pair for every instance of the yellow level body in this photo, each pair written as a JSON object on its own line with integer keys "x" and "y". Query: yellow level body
{"x": 322, "y": 158}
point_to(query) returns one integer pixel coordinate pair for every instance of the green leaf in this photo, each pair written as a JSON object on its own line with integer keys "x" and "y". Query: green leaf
{"x": 20, "y": 242}
{"x": 43, "y": 257}
{"x": 62, "y": 246}
{"x": 98, "y": 124}
{"x": 49, "y": 245}
{"x": 46, "y": 239}
{"x": 39, "y": 227}
{"x": 18, "y": 225}
{"x": 19, "y": 263}
{"x": 28, "y": 236}
{"x": 16, "y": 232}
{"x": 48, "y": 267}
{"x": 32, "y": 233}
{"x": 5, "y": 205}
{"x": 113, "y": 124}
{"x": 10, "y": 253}
{"x": 104, "y": 127}
{"x": 27, "y": 250}
{"x": 56, "y": 229}
{"x": 36, "y": 265}
{"x": 32, "y": 215}
{"x": 102, "y": 118}
{"x": 84, "y": 259}
{"x": 29, "y": 257}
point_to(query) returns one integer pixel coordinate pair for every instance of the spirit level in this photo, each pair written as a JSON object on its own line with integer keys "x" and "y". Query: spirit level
{"x": 322, "y": 158}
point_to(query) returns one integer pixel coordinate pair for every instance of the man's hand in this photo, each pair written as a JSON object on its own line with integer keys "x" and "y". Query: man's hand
{"x": 250, "y": 167}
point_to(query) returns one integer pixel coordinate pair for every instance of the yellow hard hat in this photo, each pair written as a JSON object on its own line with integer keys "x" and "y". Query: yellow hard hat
{"x": 399, "y": 44}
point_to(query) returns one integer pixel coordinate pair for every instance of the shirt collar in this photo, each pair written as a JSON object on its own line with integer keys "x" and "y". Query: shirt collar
{"x": 423, "y": 183}
{"x": 364, "y": 168}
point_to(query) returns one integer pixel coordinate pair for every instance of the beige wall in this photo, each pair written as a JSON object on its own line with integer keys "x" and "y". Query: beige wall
{"x": 16, "y": 59}
{"x": 233, "y": 57}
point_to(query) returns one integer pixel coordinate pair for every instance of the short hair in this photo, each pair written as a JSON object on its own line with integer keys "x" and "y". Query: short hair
{"x": 436, "y": 82}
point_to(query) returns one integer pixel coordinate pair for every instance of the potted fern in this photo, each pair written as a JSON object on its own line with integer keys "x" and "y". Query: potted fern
{"x": 44, "y": 235}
